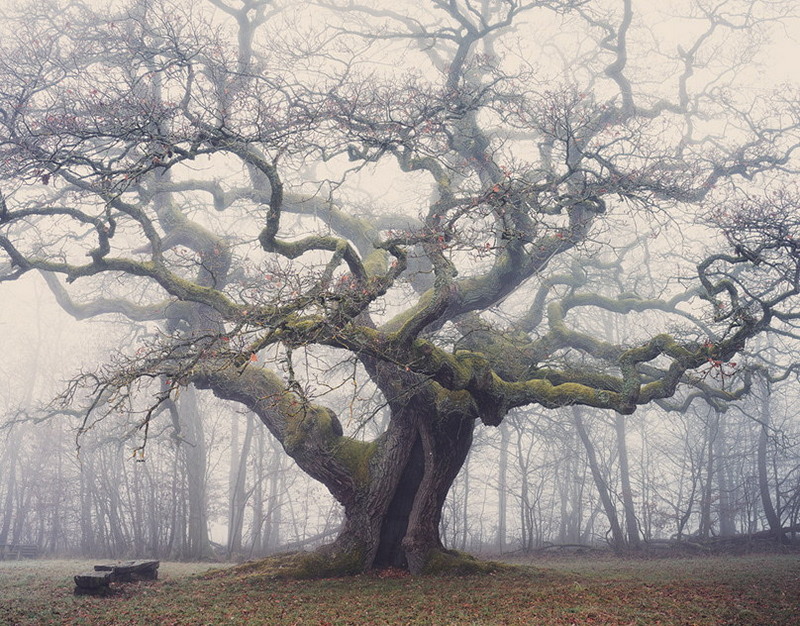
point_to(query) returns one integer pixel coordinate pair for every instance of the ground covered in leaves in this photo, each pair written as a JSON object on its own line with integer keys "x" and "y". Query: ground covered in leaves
{"x": 762, "y": 589}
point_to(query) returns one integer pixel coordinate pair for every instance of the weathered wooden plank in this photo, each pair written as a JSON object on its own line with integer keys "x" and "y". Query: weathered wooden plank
{"x": 131, "y": 570}
{"x": 98, "y": 581}
{"x": 92, "y": 581}
{"x": 146, "y": 570}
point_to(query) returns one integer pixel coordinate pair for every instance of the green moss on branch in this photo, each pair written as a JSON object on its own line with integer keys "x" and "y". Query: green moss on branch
{"x": 356, "y": 456}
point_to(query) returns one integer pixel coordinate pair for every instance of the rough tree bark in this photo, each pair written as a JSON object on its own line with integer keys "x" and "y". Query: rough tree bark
{"x": 393, "y": 489}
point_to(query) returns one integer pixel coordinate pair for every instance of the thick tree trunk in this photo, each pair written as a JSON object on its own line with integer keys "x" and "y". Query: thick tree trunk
{"x": 392, "y": 489}
{"x": 396, "y": 522}
{"x": 445, "y": 446}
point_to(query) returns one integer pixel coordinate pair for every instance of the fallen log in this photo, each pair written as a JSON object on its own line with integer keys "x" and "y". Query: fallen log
{"x": 131, "y": 570}
{"x": 99, "y": 580}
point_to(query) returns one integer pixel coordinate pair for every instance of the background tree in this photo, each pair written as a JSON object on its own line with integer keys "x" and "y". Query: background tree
{"x": 211, "y": 170}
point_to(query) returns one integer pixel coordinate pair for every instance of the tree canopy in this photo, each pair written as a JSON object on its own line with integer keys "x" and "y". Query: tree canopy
{"x": 425, "y": 213}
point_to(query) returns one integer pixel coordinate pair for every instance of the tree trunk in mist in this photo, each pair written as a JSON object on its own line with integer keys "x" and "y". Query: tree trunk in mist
{"x": 525, "y": 513}
{"x": 396, "y": 521}
{"x": 773, "y": 519}
{"x": 237, "y": 487}
{"x": 198, "y": 545}
{"x": 257, "y": 527}
{"x": 9, "y": 467}
{"x": 705, "y": 529}
{"x": 631, "y": 523}
{"x": 502, "y": 488}
{"x": 727, "y": 512}
{"x": 277, "y": 486}
{"x": 617, "y": 538}
{"x": 571, "y": 476}
{"x": 88, "y": 535}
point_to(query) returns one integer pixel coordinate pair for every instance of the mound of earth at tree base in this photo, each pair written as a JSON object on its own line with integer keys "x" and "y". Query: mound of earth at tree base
{"x": 323, "y": 564}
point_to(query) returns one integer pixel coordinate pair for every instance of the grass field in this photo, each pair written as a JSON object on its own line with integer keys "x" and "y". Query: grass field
{"x": 759, "y": 590}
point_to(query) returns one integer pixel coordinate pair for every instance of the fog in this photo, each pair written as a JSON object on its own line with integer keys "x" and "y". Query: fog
{"x": 494, "y": 276}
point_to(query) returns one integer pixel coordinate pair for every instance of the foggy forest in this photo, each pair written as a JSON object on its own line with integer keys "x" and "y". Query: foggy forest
{"x": 390, "y": 284}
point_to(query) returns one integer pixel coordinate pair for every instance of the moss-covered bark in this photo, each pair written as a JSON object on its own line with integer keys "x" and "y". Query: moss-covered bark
{"x": 392, "y": 489}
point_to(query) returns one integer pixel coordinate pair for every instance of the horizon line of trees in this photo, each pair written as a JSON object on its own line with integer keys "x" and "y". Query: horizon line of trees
{"x": 219, "y": 487}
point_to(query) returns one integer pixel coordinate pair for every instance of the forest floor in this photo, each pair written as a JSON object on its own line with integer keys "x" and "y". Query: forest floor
{"x": 755, "y": 589}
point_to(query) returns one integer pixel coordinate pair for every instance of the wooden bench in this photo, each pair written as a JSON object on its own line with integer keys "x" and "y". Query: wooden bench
{"x": 92, "y": 582}
{"x": 98, "y": 580}
{"x": 18, "y": 551}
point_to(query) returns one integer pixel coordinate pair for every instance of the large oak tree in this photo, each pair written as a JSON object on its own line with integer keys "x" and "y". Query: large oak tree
{"x": 412, "y": 213}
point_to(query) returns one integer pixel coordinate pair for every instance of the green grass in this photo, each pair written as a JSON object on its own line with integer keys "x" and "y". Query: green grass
{"x": 720, "y": 590}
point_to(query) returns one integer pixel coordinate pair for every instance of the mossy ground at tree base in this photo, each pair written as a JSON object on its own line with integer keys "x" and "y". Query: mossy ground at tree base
{"x": 456, "y": 563}
{"x": 300, "y": 566}
{"x": 322, "y": 564}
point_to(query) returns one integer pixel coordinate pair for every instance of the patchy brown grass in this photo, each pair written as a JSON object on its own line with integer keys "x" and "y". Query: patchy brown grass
{"x": 722, "y": 590}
